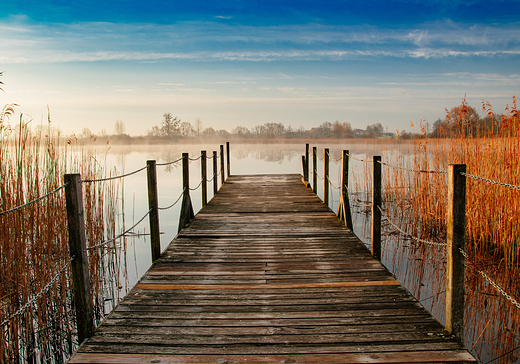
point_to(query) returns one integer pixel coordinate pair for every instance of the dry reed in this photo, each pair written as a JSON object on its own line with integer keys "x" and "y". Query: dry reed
{"x": 34, "y": 241}
{"x": 417, "y": 200}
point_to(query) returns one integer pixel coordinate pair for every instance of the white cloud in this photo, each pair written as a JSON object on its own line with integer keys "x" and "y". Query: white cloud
{"x": 90, "y": 42}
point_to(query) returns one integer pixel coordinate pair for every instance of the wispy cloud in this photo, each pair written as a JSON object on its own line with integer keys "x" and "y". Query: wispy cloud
{"x": 23, "y": 42}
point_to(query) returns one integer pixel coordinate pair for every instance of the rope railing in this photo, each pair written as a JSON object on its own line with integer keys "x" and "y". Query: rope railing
{"x": 332, "y": 185}
{"x": 113, "y": 177}
{"x": 490, "y": 281}
{"x": 120, "y": 235}
{"x": 491, "y": 181}
{"x": 200, "y": 183}
{"x": 173, "y": 204}
{"x": 359, "y": 160}
{"x": 14, "y": 209}
{"x": 195, "y": 159}
{"x": 39, "y": 295}
{"x": 318, "y": 175}
{"x": 412, "y": 170}
{"x": 334, "y": 159}
{"x": 358, "y": 202}
{"x": 407, "y": 234}
{"x": 169, "y": 163}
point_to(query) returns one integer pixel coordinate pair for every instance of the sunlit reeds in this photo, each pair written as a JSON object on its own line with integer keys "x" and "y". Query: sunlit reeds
{"x": 34, "y": 240}
{"x": 417, "y": 200}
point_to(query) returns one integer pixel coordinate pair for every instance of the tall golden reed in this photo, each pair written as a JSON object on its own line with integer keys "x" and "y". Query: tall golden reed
{"x": 34, "y": 240}
{"x": 418, "y": 201}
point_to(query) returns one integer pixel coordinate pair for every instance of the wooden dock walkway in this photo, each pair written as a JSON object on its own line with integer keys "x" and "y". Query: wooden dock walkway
{"x": 266, "y": 273}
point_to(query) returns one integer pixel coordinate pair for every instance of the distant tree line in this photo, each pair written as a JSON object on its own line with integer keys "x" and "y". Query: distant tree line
{"x": 462, "y": 120}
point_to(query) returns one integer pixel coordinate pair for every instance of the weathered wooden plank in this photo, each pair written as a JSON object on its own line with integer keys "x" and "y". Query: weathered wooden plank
{"x": 267, "y": 349}
{"x": 308, "y": 323}
{"x": 125, "y": 312}
{"x": 452, "y": 356}
{"x": 379, "y": 338}
{"x": 389, "y": 282}
{"x": 270, "y": 330}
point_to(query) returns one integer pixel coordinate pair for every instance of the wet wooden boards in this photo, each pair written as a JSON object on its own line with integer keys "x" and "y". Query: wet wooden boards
{"x": 266, "y": 273}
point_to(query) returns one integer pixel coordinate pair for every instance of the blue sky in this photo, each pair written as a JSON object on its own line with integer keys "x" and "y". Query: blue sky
{"x": 246, "y": 63}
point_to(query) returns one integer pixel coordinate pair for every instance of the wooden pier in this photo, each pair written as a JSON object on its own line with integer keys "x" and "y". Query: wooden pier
{"x": 266, "y": 273}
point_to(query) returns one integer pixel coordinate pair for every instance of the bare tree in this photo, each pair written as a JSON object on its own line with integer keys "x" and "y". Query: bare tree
{"x": 120, "y": 127}
{"x": 198, "y": 126}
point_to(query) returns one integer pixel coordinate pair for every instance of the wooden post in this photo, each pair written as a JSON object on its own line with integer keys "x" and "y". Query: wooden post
{"x": 303, "y": 169}
{"x": 344, "y": 191}
{"x": 315, "y": 170}
{"x": 215, "y": 180}
{"x": 153, "y": 205}
{"x": 326, "y": 176}
{"x": 306, "y": 164}
{"x": 456, "y": 238}
{"x": 204, "y": 175}
{"x": 222, "y": 174}
{"x": 78, "y": 250}
{"x": 186, "y": 208}
{"x": 228, "y": 160}
{"x": 376, "y": 204}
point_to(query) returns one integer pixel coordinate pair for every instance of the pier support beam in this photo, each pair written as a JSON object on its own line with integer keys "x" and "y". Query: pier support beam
{"x": 376, "y": 204}
{"x": 186, "y": 207}
{"x": 326, "y": 176}
{"x": 228, "y": 159}
{"x": 306, "y": 164}
{"x": 153, "y": 205}
{"x": 344, "y": 212}
{"x": 215, "y": 180}
{"x": 204, "y": 176}
{"x": 315, "y": 170}
{"x": 78, "y": 251}
{"x": 456, "y": 234}
{"x": 222, "y": 173}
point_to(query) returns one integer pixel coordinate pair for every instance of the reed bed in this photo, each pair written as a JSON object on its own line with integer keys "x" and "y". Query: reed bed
{"x": 34, "y": 241}
{"x": 417, "y": 202}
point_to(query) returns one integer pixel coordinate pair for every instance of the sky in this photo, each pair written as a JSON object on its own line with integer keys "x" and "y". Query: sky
{"x": 247, "y": 63}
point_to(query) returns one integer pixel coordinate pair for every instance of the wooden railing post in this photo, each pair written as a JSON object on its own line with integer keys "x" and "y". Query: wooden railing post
{"x": 456, "y": 239}
{"x": 78, "y": 250}
{"x": 306, "y": 164}
{"x": 186, "y": 208}
{"x": 204, "y": 176}
{"x": 345, "y": 201}
{"x": 222, "y": 174}
{"x": 315, "y": 170}
{"x": 326, "y": 176}
{"x": 376, "y": 204}
{"x": 228, "y": 160}
{"x": 215, "y": 180}
{"x": 153, "y": 205}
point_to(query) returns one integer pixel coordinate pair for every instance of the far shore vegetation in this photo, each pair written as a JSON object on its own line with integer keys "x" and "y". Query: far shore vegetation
{"x": 172, "y": 129}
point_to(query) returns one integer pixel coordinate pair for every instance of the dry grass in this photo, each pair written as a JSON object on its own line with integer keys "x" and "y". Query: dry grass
{"x": 34, "y": 240}
{"x": 418, "y": 201}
